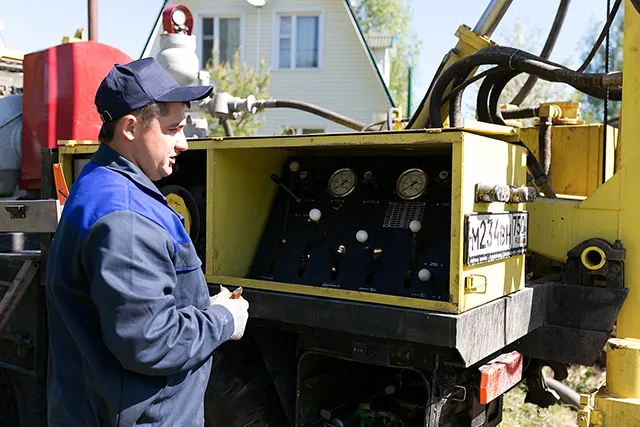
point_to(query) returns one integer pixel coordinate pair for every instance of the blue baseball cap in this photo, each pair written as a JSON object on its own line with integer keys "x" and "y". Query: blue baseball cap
{"x": 139, "y": 83}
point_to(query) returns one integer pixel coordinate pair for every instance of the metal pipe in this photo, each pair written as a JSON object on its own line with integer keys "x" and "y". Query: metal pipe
{"x": 313, "y": 109}
{"x": 544, "y": 143}
{"x": 93, "y": 20}
{"x": 566, "y": 394}
{"x": 226, "y": 125}
{"x": 491, "y": 17}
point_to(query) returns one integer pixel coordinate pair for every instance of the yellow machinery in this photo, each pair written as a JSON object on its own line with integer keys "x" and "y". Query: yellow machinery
{"x": 415, "y": 275}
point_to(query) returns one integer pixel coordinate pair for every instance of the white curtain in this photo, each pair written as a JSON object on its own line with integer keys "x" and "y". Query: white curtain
{"x": 307, "y": 41}
{"x": 229, "y": 38}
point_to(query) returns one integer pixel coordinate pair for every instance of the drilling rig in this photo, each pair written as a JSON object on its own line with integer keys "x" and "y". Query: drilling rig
{"x": 403, "y": 274}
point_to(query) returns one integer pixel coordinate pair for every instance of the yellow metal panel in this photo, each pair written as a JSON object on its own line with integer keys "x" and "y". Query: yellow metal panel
{"x": 628, "y": 325}
{"x": 400, "y": 139}
{"x": 78, "y": 149}
{"x": 456, "y": 293}
{"x": 75, "y": 142}
{"x": 576, "y": 156}
{"x": 334, "y": 293}
{"x": 486, "y": 160}
{"x": 210, "y": 212}
{"x": 618, "y": 412}
{"x": 557, "y": 225}
{"x": 241, "y": 197}
{"x": 623, "y": 367}
{"x": 66, "y": 162}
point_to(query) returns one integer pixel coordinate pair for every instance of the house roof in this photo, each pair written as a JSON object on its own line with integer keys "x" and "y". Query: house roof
{"x": 367, "y": 49}
{"x": 354, "y": 21}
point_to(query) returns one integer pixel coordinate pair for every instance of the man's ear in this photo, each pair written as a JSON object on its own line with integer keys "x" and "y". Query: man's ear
{"x": 127, "y": 127}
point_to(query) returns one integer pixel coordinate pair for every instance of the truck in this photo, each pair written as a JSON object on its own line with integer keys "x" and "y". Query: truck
{"x": 406, "y": 273}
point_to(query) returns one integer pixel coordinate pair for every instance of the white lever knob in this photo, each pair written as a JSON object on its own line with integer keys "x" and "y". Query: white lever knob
{"x": 362, "y": 236}
{"x": 315, "y": 214}
{"x": 424, "y": 275}
{"x": 294, "y": 166}
{"x": 415, "y": 226}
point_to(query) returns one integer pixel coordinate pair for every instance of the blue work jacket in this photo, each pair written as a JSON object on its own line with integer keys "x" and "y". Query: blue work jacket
{"x": 131, "y": 328}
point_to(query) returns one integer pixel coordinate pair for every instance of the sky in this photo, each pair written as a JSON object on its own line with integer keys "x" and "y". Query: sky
{"x": 126, "y": 24}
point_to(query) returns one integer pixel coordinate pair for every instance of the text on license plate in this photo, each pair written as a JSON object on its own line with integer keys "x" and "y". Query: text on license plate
{"x": 495, "y": 236}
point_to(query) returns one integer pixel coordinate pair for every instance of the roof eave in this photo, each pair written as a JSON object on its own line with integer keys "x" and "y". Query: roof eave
{"x": 372, "y": 60}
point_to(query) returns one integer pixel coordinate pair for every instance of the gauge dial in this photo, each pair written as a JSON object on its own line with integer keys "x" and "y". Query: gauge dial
{"x": 411, "y": 184}
{"x": 342, "y": 182}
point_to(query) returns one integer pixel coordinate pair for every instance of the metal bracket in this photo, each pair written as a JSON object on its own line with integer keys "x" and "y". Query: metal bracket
{"x": 475, "y": 283}
{"x": 16, "y": 211}
{"x": 456, "y": 389}
{"x": 587, "y": 415}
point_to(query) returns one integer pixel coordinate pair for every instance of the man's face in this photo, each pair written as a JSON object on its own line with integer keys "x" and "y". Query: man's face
{"x": 159, "y": 144}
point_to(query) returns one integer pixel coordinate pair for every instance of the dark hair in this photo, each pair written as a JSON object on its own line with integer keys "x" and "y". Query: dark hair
{"x": 145, "y": 115}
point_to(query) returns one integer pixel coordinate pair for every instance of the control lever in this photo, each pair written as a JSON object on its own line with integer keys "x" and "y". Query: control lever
{"x": 415, "y": 226}
{"x": 373, "y": 256}
{"x": 336, "y": 259}
{"x": 275, "y": 178}
{"x": 294, "y": 167}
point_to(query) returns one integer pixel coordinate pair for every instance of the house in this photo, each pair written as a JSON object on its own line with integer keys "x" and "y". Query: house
{"x": 314, "y": 49}
{"x": 11, "y": 75}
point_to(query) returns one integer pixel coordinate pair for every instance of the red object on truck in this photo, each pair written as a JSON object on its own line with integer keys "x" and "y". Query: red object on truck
{"x": 59, "y": 87}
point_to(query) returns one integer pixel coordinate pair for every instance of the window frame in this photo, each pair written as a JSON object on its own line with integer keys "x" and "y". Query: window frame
{"x": 299, "y": 128}
{"x": 216, "y": 14}
{"x": 275, "y": 43}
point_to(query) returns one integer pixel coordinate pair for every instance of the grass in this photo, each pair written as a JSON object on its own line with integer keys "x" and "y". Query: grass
{"x": 517, "y": 413}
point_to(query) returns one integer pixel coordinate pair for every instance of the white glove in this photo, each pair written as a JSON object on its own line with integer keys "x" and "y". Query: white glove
{"x": 239, "y": 308}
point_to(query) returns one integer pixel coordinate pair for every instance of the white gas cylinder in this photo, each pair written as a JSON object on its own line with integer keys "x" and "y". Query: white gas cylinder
{"x": 10, "y": 143}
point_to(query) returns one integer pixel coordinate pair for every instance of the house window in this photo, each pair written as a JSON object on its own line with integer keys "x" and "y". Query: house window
{"x": 298, "y": 41}
{"x": 302, "y": 130}
{"x": 221, "y": 34}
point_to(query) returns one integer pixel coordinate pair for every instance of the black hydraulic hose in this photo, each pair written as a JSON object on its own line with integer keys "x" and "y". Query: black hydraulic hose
{"x": 544, "y": 143}
{"x": 455, "y": 105}
{"x": 313, "y": 109}
{"x": 521, "y": 113}
{"x": 603, "y": 34}
{"x": 482, "y": 100}
{"x": 468, "y": 82}
{"x": 494, "y": 98}
{"x": 517, "y": 60}
{"x": 546, "y": 50}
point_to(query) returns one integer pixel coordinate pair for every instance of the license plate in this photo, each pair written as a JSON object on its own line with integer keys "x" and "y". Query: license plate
{"x": 495, "y": 236}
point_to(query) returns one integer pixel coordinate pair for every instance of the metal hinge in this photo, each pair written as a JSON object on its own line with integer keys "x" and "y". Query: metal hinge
{"x": 588, "y": 416}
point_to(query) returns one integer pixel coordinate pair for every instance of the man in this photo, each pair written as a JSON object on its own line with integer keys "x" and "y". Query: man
{"x": 132, "y": 327}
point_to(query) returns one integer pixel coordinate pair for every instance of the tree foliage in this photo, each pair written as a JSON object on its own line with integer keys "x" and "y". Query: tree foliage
{"x": 391, "y": 17}
{"x": 237, "y": 79}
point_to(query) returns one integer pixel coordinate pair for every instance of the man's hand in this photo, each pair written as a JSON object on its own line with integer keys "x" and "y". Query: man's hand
{"x": 239, "y": 308}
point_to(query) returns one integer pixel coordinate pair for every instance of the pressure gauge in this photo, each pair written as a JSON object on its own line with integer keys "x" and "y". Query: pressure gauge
{"x": 342, "y": 182}
{"x": 411, "y": 184}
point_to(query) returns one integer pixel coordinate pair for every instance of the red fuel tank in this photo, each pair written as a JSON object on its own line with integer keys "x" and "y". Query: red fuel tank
{"x": 59, "y": 86}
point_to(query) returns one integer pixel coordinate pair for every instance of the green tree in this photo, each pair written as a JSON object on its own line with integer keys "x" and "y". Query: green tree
{"x": 239, "y": 80}
{"x": 391, "y": 17}
{"x": 593, "y": 108}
